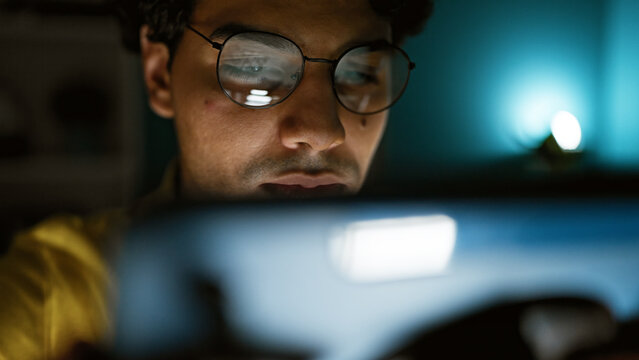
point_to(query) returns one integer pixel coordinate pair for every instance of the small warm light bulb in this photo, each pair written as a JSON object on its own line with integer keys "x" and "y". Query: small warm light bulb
{"x": 566, "y": 131}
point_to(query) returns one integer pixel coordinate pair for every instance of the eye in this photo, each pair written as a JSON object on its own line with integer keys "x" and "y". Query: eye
{"x": 353, "y": 75}
{"x": 253, "y": 69}
{"x": 261, "y": 72}
{"x": 356, "y": 78}
{"x": 256, "y": 69}
{"x": 248, "y": 64}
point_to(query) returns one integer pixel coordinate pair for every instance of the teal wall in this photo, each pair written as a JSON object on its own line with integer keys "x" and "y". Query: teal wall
{"x": 620, "y": 138}
{"x": 492, "y": 73}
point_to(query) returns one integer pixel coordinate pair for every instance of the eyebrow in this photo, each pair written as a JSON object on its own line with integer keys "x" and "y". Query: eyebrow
{"x": 225, "y": 31}
{"x": 231, "y": 29}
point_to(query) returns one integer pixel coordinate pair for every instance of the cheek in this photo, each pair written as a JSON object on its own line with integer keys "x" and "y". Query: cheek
{"x": 364, "y": 133}
{"x": 218, "y": 139}
{"x": 226, "y": 134}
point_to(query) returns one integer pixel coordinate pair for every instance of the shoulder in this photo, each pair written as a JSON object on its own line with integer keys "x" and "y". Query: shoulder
{"x": 56, "y": 283}
{"x": 84, "y": 238}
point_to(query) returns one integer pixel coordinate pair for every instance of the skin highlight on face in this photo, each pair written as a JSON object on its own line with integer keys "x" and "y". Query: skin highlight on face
{"x": 306, "y": 146}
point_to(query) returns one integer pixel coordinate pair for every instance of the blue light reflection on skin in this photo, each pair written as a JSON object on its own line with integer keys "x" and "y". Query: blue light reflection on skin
{"x": 284, "y": 291}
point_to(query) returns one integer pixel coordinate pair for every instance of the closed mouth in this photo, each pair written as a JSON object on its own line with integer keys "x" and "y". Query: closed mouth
{"x": 301, "y": 185}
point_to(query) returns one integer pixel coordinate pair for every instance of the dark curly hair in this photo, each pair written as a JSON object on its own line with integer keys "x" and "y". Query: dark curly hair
{"x": 168, "y": 18}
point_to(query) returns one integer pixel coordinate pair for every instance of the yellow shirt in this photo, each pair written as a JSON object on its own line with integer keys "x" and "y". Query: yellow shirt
{"x": 54, "y": 287}
{"x": 55, "y": 283}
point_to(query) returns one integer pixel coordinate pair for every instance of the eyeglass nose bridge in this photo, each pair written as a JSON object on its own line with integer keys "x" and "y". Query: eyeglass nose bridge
{"x": 321, "y": 60}
{"x": 332, "y": 63}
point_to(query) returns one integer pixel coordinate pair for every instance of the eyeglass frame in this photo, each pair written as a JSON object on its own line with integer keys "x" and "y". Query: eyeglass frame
{"x": 220, "y": 46}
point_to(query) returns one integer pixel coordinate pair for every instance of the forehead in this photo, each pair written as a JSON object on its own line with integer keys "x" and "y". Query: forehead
{"x": 315, "y": 25}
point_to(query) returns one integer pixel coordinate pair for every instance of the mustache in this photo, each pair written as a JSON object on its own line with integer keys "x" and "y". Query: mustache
{"x": 268, "y": 167}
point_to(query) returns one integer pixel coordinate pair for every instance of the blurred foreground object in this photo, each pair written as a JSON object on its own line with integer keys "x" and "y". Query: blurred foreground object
{"x": 526, "y": 279}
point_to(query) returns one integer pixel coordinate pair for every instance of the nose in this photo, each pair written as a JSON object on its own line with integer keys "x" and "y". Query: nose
{"x": 310, "y": 118}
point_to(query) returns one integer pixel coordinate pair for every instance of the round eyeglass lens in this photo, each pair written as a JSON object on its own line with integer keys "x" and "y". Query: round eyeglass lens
{"x": 371, "y": 78}
{"x": 259, "y": 70}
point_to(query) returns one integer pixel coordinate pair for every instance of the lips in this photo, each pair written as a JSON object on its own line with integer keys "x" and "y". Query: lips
{"x": 307, "y": 181}
{"x": 305, "y": 186}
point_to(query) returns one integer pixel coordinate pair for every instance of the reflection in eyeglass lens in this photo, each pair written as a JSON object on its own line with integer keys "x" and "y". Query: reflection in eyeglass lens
{"x": 370, "y": 79}
{"x": 259, "y": 70}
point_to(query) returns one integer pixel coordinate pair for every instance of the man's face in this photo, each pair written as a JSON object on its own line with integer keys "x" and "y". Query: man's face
{"x": 309, "y": 144}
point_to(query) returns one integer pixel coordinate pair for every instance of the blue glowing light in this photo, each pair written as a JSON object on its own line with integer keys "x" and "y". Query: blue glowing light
{"x": 534, "y": 97}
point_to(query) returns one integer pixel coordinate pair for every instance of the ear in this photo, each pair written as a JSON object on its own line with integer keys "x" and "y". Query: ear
{"x": 157, "y": 76}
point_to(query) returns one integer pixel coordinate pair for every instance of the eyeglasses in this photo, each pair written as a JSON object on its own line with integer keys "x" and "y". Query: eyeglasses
{"x": 259, "y": 70}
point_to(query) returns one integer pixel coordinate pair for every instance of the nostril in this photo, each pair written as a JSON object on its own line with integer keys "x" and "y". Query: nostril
{"x": 314, "y": 142}
{"x": 318, "y": 134}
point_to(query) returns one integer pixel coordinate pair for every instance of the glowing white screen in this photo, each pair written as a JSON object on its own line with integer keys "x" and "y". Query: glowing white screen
{"x": 393, "y": 249}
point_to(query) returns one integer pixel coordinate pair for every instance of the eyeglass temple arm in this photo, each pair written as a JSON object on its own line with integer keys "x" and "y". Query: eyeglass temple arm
{"x": 213, "y": 43}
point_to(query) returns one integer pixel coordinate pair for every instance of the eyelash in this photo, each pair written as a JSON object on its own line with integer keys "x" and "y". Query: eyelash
{"x": 246, "y": 78}
{"x": 368, "y": 79}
